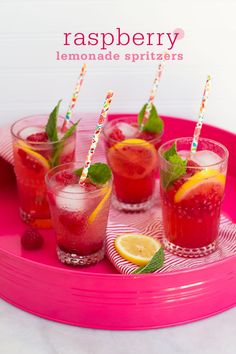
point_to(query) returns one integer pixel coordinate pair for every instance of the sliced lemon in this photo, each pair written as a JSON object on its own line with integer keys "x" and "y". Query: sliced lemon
{"x": 99, "y": 207}
{"x": 202, "y": 179}
{"x": 137, "y": 248}
{"x": 132, "y": 158}
{"x": 144, "y": 143}
{"x": 40, "y": 159}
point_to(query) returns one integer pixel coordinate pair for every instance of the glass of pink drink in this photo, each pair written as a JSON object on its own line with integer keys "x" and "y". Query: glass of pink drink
{"x": 132, "y": 156}
{"x": 34, "y": 155}
{"x": 192, "y": 190}
{"x": 79, "y": 215}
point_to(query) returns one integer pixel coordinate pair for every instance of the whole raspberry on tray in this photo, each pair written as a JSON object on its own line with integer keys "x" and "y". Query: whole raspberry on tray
{"x": 31, "y": 239}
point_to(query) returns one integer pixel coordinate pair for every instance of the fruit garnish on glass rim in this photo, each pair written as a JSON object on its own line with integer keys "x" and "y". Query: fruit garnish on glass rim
{"x": 154, "y": 123}
{"x": 175, "y": 169}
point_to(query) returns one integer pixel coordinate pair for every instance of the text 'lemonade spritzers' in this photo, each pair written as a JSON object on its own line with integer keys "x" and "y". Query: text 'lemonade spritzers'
{"x": 192, "y": 190}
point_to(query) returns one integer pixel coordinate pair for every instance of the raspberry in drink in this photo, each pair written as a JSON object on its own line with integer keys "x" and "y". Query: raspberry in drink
{"x": 132, "y": 156}
{"x": 79, "y": 213}
{"x": 34, "y": 154}
{"x": 192, "y": 190}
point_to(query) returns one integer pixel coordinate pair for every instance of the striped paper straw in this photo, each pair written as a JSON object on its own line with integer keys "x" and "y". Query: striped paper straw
{"x": 152, "y": 94}
{"x": 197, "y": 130}
{"x": 96, "y": 136}
{"x": 74, "y": 97}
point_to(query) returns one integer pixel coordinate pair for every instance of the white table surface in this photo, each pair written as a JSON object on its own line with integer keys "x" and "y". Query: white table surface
{"x": 23, "y": 333}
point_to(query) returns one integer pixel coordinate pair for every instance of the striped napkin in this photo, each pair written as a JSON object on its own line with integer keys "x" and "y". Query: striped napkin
{"x": 150, "y": 223}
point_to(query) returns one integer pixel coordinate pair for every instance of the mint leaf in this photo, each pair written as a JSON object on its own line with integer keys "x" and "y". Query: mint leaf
{"x": 172, "y": 151}
{"x": 70, "y": 131}
{"x": 98, "y": 173}
{"x": 175, "y": 169}
{"x": 51, "y": 127}
{"x": 154, "y": 124}
{"x": 155, "y": 263}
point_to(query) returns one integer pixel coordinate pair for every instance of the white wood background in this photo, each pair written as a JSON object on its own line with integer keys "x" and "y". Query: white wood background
{"x": 31, "y": 80}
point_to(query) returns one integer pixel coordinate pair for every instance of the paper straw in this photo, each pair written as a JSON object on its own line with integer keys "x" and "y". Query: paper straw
{"x": 197, "y": 130}
{"x": 74, "y": 97}
{"x": 95, "y": 137}
{"x": 152, "y": 94}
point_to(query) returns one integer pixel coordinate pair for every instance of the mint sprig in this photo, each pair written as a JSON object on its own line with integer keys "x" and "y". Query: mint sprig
{"x": 175, "y": 169}
{"x": 51, "y": 127}
{"x": 51, "y": 130}
{"x": 98, "y": 173}
{"x": 155, "y": 263}
{"x": 154, "y": 124}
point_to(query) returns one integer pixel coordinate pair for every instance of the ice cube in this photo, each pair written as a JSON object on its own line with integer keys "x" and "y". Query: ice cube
{"x": 29, "y": 131}
{"x": 205, "y": 158}
{"x": 71, "y": 198}
{"x": 128, "y": 130}
{"x": 184, "y": 154}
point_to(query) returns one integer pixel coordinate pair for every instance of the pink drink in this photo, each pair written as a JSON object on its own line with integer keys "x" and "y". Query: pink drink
{"x": 132, "y": 156}
{"x": 191, "y": 204}
{"x": 79, "y": 215}
{"x": 34, "y": 155}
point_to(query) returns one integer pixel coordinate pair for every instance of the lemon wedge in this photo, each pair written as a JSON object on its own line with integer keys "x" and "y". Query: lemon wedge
{"x": 35, "y": 155}
{"x": 137, "y": 248}
{"x": 203, "y": 181}
{"x": 99, "y": 207}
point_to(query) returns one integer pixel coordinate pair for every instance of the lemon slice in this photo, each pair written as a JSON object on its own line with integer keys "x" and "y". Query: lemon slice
{"x": 137, "y": 248}
{"x": 99, "y": 207}
{"x": 203, "y": 181}
{"x": 40, "y": 159}
{"x": 132, "y": 158}
{"x": 144, "y": 143}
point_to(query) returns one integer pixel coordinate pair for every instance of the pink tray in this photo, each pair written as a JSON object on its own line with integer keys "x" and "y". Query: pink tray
{"x": 99, "y": 297}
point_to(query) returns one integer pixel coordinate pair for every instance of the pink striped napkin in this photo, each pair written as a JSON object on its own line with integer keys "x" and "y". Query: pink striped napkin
{"x": 150, "y": 223}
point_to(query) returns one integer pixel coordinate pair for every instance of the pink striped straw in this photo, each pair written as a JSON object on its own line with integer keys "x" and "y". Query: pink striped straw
{"x": 198, "y": 127}
{"x": 152, "y": 94}
{"x": 96, "y": 136}
{"x": 74, "y": 97}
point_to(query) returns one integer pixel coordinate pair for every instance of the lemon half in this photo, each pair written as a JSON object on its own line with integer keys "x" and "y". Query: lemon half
{"x": 137, "y": 248}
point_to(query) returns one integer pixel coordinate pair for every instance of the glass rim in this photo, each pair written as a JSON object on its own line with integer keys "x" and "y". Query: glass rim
{"x": 157, "y": 138}
{"x": 187, "y": 138}
{"x": 34, "y": 143}
{"x": 61, "y": 168}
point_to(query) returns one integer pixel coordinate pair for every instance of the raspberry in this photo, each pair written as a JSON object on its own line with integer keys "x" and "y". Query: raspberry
{"x": 116, "y": 135}
{"x": 73, "y": 221}
{"x": 191, "y": 170}
{"x": 65, "y": 178}
{"x": 41, "y": 137}
{"x": 147, "y": 136}
{"x": 31, "y": 239}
